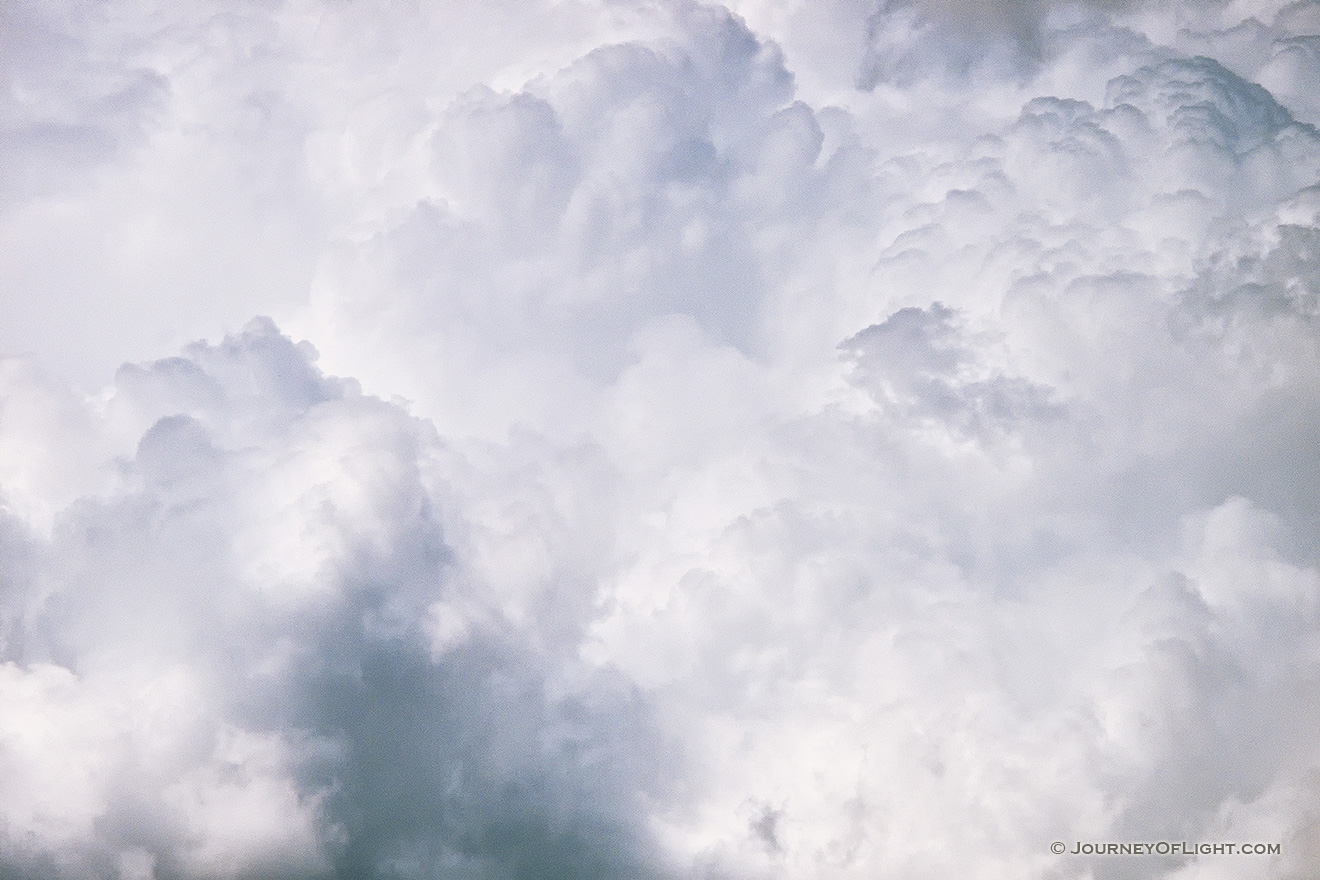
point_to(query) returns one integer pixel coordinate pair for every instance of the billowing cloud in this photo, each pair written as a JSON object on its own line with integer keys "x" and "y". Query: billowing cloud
{"x": 254, "y": 655}
{"x": 778, "y": 441}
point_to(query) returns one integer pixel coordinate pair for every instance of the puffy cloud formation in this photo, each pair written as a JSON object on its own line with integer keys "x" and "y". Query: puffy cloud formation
{"x": 789, "y": 440}
{"x": 253, "y": 654}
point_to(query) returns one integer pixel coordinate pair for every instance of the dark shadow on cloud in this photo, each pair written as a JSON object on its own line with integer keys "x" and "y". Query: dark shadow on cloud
{"x": 913, "y": 39}
{"x": 491, "y": 758}
{"x": 463, "y": 765}
{"x": 919, "y": 363}
{"x": 448, "y": 770}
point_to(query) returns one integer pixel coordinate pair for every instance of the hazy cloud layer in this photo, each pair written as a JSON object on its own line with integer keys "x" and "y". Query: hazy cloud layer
{"x": 791, "y": 440}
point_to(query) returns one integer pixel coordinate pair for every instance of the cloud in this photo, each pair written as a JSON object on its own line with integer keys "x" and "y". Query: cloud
{"x": 232, "y": 661}
{"x": 787, "y": 441}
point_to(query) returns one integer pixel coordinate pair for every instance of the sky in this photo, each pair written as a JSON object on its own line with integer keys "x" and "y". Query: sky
{"x": 659, "y": 440}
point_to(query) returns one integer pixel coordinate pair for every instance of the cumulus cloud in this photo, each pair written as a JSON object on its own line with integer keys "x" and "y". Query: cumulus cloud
{"x": 784, "y": 441}
{"x": 253, "y": 656}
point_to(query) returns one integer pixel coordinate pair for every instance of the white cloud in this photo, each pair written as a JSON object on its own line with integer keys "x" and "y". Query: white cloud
{"x": 812, "y": 440}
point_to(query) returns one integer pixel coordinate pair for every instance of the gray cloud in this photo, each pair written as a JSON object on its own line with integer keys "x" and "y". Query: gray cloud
{"x": 289, "y": 715}
{"x": 914, "y": 38}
